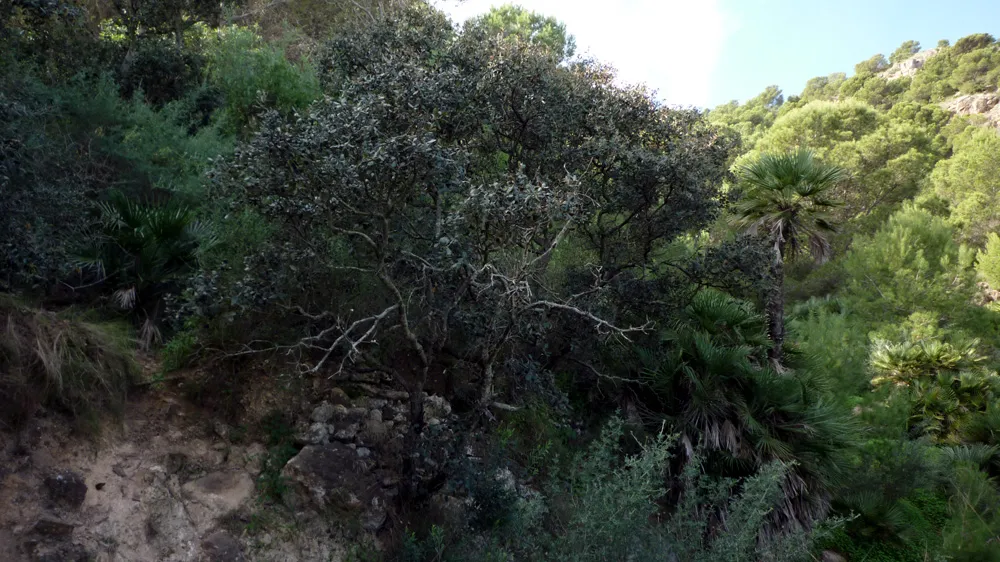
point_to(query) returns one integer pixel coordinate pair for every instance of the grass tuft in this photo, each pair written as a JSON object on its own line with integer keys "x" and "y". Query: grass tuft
{"x": 75, "y": 366}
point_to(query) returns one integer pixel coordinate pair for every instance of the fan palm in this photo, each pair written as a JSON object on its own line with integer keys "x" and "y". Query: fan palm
{"x": 141, "y": 248}
{"x": 711, "y": 381}
{"x": 785, "y": 197}
{"x": 949, "y": 390}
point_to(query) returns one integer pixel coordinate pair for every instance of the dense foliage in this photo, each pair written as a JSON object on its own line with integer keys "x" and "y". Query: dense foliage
{"x": 675, "y": 334}
{"x": 903, "y": 316}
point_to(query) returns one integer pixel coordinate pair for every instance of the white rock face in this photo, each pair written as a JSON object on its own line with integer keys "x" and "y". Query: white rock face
{"x": 910, "y": 66}
{"x": 986, "y": 104}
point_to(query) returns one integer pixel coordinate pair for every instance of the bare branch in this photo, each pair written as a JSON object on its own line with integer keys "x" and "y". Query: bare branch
{"x": 345, "y": 338}
{"x": 355, "y": 233}
{"x": 552, "y": 246}
{"x": 599, "y": 322}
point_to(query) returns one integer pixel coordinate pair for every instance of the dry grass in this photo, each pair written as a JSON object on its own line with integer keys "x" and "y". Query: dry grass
{"x": 79, "y": 367}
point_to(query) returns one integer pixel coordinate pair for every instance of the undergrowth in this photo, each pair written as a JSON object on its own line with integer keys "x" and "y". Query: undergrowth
{"x": 79, "y": 367}
{"x": 280, "y": 449}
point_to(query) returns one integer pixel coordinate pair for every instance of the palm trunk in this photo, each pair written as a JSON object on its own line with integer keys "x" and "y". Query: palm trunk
{"x": 776, "y": 305}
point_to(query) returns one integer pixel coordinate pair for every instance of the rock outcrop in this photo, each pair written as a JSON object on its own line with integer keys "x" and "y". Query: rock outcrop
{"x": 910, "y": 66}
{"x": 986, "y": 104}
{"x": 172, "y": 484}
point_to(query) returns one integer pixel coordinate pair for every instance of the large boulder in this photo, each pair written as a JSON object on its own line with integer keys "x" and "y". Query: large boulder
{"x": 329, "y": 477}
{"x": 910, "y": 66}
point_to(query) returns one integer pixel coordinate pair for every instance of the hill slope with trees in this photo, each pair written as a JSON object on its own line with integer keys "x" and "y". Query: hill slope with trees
{"x": 903, "y": 315}
{"x": 556, "y": 318}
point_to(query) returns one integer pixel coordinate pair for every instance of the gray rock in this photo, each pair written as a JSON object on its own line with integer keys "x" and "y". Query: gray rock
{"x": 435, "y": 407}
{"x": 986, "y": 104}
{"x": 60, "y": 552}
{"x": 52, "y": 526}
{"x": 505, "y": 478}
{"x": 66, "y": 487}
{"x": 220, "y": 546}
{"x": 220, "y": 429}
{"x": 355, "y": 415}
{"x": 216, "y": 495}
{"x": 317, "y": 434}
{"x": 174, "y": 462}
{"x": 910, "y": 66}
{"x": 363, "y": 452}
{"x": 322, "y": 413}
{"x": 348, "y": 433}
{"x": 374, "y": 516}
{"x": 396, "y": 395}
{"x": 375, "y": 415}
{"x": 323, "y": 477}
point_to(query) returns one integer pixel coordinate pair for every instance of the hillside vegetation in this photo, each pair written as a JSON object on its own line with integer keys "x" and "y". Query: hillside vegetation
{"x": 619, "y": 330}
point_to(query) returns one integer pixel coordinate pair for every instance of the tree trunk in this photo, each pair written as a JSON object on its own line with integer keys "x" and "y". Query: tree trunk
{"x": 410, "y": 479}
{"x": 776, "y": 306}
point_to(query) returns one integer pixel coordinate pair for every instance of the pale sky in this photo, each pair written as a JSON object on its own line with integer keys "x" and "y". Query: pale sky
{"x": 672, "y": 46}
{"x": 707, "y": 52}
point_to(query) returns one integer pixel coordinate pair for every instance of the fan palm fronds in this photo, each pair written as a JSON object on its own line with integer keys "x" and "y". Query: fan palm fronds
{"x": 712, "y": 382}
{"x": 786, "y": 197}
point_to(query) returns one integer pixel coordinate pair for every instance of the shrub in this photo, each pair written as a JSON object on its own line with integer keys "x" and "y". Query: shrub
{"x": 64, "y": 146}
{"x": 973, "y": 530}
{"x": 912, "y": 263}
{"x": 886, "y": 476}
{"x": 160, "y": 71}
{"x": 904, "y": 51}
{"x": 709, "y": 378}
{"x": 835, "y": 343}
{"x": 79, "y": 367}
{"x": 605, "y": 507}
{"x": 179, "y": 351}
{"x": 44, "y": 182}
{"x": 254, "y": 76}
{"x": 412, "y": 176}
{"x": 280, "y": 449}
{"x": 988, "y": 261}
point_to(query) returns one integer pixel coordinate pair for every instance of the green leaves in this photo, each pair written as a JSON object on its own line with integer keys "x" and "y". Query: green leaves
{"x": 518, "y": 24}
{"x": 454, "y": 169}
{"x": 786, "y": 197}
{"x": 910, "y": 264}
{"x": 968, "y": 181}
{"x": 140, "y": 247}
{"x": 904, "y": 51}
{"x": 711, "y": 382}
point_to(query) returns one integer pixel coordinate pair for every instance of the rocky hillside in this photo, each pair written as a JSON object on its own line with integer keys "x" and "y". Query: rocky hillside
{"x": 979, "y": 103}
{"x": 172, "y": 482}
